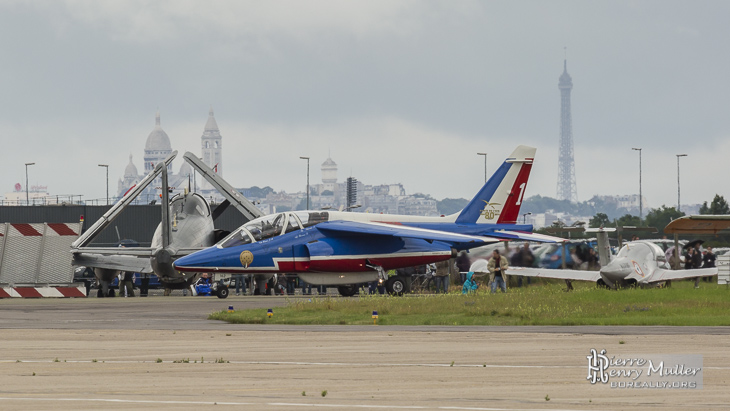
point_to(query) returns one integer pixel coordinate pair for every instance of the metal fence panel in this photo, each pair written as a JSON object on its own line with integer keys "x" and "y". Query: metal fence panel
{"x": 37, "y": 253}
{"x": 55, "y": 264}
{"x": 723, "y": 268}
{"x": 20, "y": 254}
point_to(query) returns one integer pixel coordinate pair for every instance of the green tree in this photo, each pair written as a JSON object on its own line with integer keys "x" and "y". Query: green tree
{"x": 628, "y": 220}
{"x": 718, "y": 206}
{"x": 302, "y": 204}
{"x": 557, "y": 224}
{"x": 599, "y": 220}
{"x": 256, "y": 192}
{"x": 451, "y": 205}
{"x": 660, "y": 217}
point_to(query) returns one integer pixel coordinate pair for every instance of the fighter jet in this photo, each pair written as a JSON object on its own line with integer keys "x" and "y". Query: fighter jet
{"x": 344, "y": 248}
{"x": 186, "y": 226}
{"x": 639, "y": 263}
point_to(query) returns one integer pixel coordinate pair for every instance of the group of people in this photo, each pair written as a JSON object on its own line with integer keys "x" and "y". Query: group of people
{"x": 695, "y": 258}
{"x": 284, "y": 284}
{"x": 497, "y": 267}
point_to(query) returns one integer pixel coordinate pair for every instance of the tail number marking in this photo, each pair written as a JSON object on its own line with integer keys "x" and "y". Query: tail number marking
{"x": 522, "y": 193}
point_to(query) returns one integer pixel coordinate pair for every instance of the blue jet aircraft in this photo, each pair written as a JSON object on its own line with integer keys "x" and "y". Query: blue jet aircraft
{"x": 345, "y": 248}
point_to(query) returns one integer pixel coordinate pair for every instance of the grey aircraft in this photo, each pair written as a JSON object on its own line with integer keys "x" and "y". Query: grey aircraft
{"x": 639, "y": 263}
{"x": 186, "y": 226}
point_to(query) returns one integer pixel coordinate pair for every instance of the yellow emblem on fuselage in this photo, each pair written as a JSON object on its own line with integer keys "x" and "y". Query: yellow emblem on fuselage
{"x": 490, "y": 211}
{"x": 246, "y": 258}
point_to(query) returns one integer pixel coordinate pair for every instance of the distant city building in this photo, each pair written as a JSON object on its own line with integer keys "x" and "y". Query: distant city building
{"x": 158, "y": 148}
{"x": 630, "y": 202}
{"x": 35, "y": 195}
{"x": 329, "y": 194}
{"x": 211, "y": 145}
{"x": 566, "y": 164}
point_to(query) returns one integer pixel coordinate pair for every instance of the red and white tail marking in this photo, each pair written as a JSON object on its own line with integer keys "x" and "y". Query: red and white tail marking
{"x": 513, "y": 202}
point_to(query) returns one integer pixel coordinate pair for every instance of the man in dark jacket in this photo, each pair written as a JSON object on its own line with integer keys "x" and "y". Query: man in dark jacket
{"x": 462, "y": 264}
{"x": 708, "y": 261}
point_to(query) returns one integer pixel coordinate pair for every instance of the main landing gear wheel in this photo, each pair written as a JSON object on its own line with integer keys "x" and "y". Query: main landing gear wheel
{"x": 396, "y": 285}
{"x": 223, "y": 292}
{"x": 348, "y": 290}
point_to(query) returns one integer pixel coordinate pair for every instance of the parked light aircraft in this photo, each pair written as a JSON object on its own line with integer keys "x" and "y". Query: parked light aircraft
{"x": 186, "y": 226}
{"x": 344, "y": 248}
{"x": 637, "y": 263}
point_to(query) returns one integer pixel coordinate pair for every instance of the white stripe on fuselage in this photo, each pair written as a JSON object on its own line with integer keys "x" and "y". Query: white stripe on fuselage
{"x": 276, "y": 269}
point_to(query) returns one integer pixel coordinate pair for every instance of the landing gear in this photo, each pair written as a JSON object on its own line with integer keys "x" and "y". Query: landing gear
{"x": 348, "y": 290}
{"x": 397, "y": 285}
{"x": 222, "y": 291}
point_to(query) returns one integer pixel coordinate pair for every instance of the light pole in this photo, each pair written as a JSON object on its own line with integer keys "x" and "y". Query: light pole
{"x": 485, "y": 165}
{"x": 107, "y": 181}
{"x": 641, "y": 199}
{"x": 307, "y": 158}
{"x": 678, "y": 156}
{"x": 524, "y": 217}
{"x": 27, "y": 197}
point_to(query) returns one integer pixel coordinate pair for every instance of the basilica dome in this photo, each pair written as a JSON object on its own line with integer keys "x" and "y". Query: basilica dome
{"x": 158, "y": 139}
{"x": 131, "y": 169}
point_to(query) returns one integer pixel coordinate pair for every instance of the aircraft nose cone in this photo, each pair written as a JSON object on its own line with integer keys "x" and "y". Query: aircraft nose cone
{"x": 194, "y": 261}
{"x": 613, "y": 272}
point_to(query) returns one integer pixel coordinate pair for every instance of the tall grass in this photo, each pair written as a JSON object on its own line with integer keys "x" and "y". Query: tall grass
{"x": 537, "y": 305}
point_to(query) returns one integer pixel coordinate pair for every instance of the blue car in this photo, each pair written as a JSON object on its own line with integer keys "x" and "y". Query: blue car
{"x": 552, "y": 256}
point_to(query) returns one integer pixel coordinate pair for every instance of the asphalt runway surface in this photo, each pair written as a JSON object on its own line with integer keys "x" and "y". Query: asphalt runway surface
{"x": 162, "y": 353}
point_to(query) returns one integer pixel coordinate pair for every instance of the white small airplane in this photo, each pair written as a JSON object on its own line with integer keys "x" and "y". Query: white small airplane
{"x": 637, "y": 263}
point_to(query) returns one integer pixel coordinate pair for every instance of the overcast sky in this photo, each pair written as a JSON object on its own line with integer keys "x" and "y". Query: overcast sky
{"x": 397, "y": 91}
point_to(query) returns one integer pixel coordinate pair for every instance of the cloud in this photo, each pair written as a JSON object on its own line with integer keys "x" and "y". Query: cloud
{"x": 143, "y": 21}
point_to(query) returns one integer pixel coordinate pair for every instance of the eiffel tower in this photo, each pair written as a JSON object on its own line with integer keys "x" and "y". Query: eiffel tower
{"x": 566, "y": 164}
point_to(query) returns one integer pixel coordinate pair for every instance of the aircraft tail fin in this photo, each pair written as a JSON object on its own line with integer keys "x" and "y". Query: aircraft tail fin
{"x": 604, "y": 247}
{"x": 500, "y": 199}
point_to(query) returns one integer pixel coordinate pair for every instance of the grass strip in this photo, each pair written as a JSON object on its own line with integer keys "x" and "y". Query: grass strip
{"x": 548, "y": 304}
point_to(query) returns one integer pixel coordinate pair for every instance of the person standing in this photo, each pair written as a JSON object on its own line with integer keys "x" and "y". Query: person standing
{"x": 306, "y": 287}
{"x": 240, "y": 283}
{"x": 708, "y": 261}
{"x": 126, "y": 284}
{"x": 592, "y": 260}
{"x": 497, "y": 267}
{"x": 523, "y": 258}
{"x": 689, "y": 259}
{"x": 462, "y": 264}
{"x": 696, "y": 261}
{"x": 144, "y": 286}
{"x": 441, "y": 276}
{"x": 291, "y": 280}
{"x": 697, "y": 257}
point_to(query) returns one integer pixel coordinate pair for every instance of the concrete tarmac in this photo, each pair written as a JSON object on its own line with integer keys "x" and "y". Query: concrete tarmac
{"x": 162, "y": 353}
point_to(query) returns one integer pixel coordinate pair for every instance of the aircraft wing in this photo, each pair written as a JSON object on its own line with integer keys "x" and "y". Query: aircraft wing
{"x": 348, "y": 228}
{"x": 518, "y": 235}
{"x": 578, "y": 275}
{"x": 698, "y": 224}
{"x": 136, "y": 259}
{"x": 661, "y": 274}
{"x": 137, "y": 264}
{"x": 129, "y": 251}
{"x": 86, "y": 238}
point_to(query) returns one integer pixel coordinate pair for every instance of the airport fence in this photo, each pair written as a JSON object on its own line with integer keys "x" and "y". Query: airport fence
{"x": 723, "y": 268}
